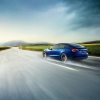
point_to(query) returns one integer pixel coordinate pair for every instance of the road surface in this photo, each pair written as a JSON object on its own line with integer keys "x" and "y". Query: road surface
{"x": 25, "y": 75}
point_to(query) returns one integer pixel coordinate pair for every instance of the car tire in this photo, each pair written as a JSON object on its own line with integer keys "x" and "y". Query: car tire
{"x": 63, "y": 57}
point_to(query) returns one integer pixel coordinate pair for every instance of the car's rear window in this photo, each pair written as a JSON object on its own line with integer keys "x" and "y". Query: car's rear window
{"x": 77, "y": 46}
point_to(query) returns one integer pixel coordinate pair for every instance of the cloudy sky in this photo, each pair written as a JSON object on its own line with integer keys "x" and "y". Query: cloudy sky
{"x": 49, "y": 20}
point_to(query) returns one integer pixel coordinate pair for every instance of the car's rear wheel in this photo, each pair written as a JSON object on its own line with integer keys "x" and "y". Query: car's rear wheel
{"x": 63, "y": 57}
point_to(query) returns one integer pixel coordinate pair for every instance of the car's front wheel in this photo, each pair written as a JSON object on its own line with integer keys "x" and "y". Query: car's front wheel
{"x": 44, "y": 55}
{"x": 63, "y": 57}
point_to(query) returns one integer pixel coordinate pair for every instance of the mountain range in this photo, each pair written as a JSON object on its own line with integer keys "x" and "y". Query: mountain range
{"x": 19, "y": 42}
{"x": 14, "y": 43}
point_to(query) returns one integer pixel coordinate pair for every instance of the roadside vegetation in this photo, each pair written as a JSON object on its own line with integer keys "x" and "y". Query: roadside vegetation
{"x": 4, "y": 48}
{"x": 37, "y": 47}
{"x": 93, "y": 48}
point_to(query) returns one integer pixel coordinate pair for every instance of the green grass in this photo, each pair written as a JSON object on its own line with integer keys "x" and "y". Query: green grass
{"x": 35, "y": 47}
{"x": 93, "y": 49}
{"x": 3, "y": 48}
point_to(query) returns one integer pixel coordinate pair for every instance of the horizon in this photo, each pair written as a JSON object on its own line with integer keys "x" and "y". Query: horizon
{"x": 49, "y": 21}
{"x": 43, "y": 42}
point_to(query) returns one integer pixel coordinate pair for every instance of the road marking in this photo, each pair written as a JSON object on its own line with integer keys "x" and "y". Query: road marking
{"x": 82, "y": 66}
{"x": 94, "y": 57}
{"x": 61, "y": 66}
{"x": 74, "y": 64}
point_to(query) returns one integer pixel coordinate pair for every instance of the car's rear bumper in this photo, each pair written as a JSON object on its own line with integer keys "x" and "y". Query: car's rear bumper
{"x": 81, "y": 56}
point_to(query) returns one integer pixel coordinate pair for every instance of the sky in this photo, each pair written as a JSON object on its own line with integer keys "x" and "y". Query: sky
{"x": 50, "y": 20}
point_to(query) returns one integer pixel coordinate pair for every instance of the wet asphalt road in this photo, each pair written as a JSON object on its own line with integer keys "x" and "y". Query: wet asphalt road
{"x": 25, "y": 75}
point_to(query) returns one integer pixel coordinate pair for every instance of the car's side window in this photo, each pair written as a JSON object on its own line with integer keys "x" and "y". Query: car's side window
{"x": 66, "y": 46}
{"x": 61, "y": 46}
{"x": 56, "y": 46}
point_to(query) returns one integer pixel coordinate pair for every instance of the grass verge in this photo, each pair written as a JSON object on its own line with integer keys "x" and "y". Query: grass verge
{"x": 4, "y": 48}
{"x": 93, "y": 49}
{"x": 35, "y": 47}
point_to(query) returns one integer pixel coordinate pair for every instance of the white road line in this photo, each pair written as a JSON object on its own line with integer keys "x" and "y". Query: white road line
{"x": 74, "y": 64}
{"x": 82, "y": 66}
{"x": 61, "y": 66}
{"x": 94, "y": 57}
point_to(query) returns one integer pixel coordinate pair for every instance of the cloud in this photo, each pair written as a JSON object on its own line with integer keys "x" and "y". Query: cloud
{"x": 25, "y": 5}
{"x": 51, "y": 21}
{"x": 88, "y": 13}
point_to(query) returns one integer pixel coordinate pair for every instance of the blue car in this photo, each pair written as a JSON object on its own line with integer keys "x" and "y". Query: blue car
{"x": 65, "y": 51}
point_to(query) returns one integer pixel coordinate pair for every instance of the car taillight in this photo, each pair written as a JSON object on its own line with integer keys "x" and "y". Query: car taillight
{"x": 74, "y": 50}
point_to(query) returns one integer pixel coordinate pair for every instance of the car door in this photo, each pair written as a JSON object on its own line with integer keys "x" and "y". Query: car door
{"x": 57, "y": 49}
{"x": 53, "y": 51}
{"x": 60, "y": 49}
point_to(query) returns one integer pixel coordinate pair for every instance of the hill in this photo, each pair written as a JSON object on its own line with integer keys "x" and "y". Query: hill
{"x": 14, "y": 43}
{"x": 92, "y": 42}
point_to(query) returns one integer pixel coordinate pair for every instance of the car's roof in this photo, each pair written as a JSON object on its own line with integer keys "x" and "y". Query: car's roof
{"x": 72, "y": 44}
{"x": 66, "y": 43}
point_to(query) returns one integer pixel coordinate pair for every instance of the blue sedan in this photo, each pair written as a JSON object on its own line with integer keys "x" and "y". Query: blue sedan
{"x": 65, "y": 51}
